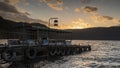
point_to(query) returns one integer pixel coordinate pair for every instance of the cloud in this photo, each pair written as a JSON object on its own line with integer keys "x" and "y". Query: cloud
{"x": 22, "y": 11}
{"x": 90, "y": 9}
{"x": 104, "y": 21}
{"x": 20, "y": 17}
{"x": 81, "y": 23}
{"x": 85, "y": 1}
{"x": 99, "y": 18}
{"x": 76, "y": 24}
{"x": 52, "y": 1}
{"x": 116, "y": 21}
{"x": 26, "y": 4}
{"x": 59, "y": 2}
{"x": 54, "y": 4}
{"x": 107, "y": 17}
{"x": 8, "y": 8}
{"x": 17, "y": 14}
{"x": 13, "y": 2}
{"x": 77, "y": 10}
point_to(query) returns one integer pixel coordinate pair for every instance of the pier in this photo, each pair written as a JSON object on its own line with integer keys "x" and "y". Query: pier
{"x": 33, "y": 43}
{"x": 19, "y": 52}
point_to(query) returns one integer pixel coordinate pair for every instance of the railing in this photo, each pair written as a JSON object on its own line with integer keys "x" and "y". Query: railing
{"x": 15, "y": 35}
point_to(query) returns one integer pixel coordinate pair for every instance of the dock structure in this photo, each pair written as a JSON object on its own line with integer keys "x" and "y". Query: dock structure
{"x": 35, "y": 44}
{"x": 17, "y": 52}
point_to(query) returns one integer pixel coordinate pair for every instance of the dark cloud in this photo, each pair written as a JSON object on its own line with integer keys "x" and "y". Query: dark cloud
{"x": 90, "y": 9}
{"x": 8, "y": 8}
{"x": 13, "y": 2}
{"x": 20, "y": 17}
{"x": 108, "y": 17}
{"x": 8, "y": 11}
{"x": 7, "y": 1}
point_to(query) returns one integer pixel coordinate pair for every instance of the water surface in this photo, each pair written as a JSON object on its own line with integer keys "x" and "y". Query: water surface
{"x": 104, "y": 54}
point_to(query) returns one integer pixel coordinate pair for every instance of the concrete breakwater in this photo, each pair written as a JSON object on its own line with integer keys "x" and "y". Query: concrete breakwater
{"x": 21, "y": 53}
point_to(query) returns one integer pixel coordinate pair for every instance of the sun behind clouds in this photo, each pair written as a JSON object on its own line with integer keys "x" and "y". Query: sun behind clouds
{"x": 78, "y": 27}
{"x": 76, "y": 24}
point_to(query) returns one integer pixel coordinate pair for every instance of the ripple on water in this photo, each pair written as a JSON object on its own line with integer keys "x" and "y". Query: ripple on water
{"x": 104, "y": 54}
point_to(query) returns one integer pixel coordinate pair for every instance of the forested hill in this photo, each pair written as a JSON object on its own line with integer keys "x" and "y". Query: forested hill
{"x": 8, "y": 25}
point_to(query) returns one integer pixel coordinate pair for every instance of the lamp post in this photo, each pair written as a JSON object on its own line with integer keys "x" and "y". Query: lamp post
{"x": 55, "y": 20}
{"x": 23, "y": 34}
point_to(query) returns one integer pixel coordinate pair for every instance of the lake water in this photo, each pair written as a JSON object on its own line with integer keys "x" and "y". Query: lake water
{"x": 104, "y": 54}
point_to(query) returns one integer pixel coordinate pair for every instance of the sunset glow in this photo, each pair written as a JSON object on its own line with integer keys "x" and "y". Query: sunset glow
{"x": 72, "y": 14}
{"x": 78, "y": 27}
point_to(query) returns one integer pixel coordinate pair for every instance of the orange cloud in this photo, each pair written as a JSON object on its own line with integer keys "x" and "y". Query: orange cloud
{"x": 77, "y": 10}
{"x": 76, "y": 24}
{"x": 81, "y": 23}
{"x": 104, "y": 21}
{"x": 116, "y": 21}
{"x": 59, "y": 2}
{"x": 54, "y": 4}
{"x": 99, "y": 18}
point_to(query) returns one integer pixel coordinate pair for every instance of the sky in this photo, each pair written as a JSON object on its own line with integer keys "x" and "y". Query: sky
{"x": 72, "y": 14}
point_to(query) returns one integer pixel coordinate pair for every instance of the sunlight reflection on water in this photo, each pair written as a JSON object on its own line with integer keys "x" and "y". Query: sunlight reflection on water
{"x": 104, "y": 54}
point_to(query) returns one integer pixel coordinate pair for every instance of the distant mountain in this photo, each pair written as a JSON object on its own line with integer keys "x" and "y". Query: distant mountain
{"x": 8, "y": 25}
{"x": 98, "y": 33}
